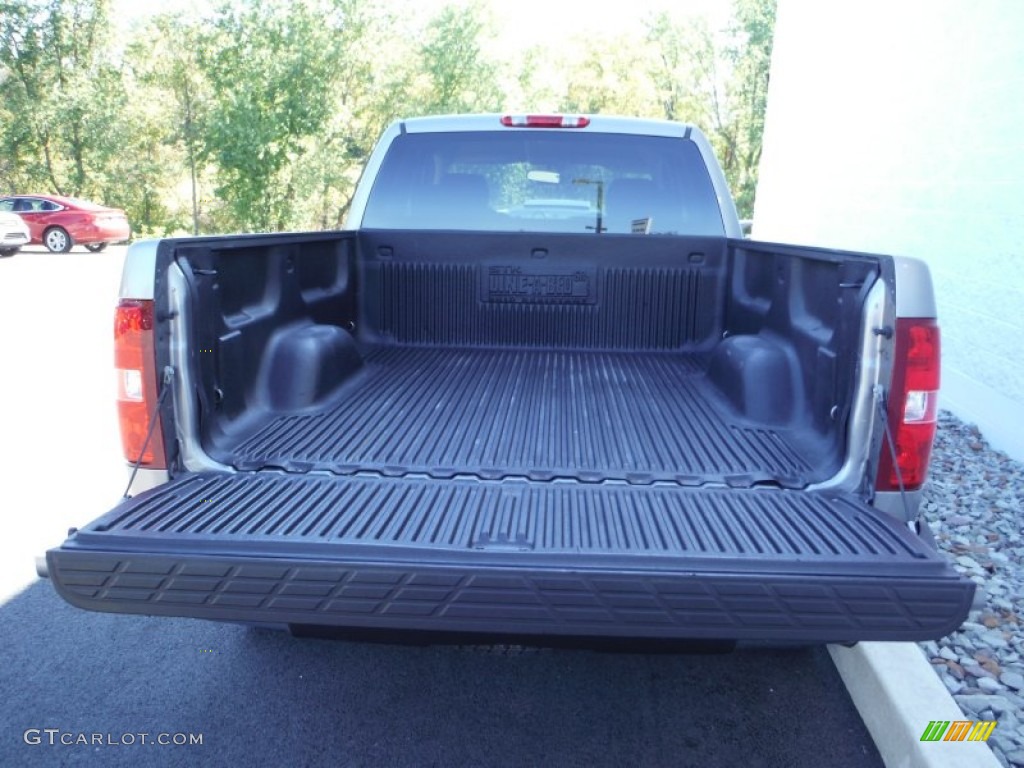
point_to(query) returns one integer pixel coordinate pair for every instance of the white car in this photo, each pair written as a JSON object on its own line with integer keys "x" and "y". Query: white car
{"x": 13, "y": 233}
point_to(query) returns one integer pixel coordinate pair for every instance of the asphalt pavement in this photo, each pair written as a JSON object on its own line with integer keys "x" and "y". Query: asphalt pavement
{"x": 263, "y": 698}
{"x": 259, "y": 697}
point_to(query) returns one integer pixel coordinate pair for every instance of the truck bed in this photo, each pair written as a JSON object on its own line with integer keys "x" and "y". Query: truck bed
{"x": 496, "y": 413}
{"x": 688, "y": 360}
{"x": 513, "y": 435}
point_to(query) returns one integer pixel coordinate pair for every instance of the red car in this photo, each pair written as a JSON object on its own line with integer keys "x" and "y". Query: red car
{"x": 61, "y": 222}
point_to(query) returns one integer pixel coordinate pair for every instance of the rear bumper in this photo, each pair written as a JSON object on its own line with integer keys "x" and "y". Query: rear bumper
{"x": 103, "y": 232}
{"x": 13, "y": 239}
{"x": 406, "y": 596}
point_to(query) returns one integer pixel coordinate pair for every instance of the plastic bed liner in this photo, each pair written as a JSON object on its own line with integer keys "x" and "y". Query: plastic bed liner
{"x": 494, "y": 413}
{"x": 517, "y": 556}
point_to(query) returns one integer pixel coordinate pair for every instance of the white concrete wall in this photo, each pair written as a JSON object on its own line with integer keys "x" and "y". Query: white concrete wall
{"x": 897, "y": 126}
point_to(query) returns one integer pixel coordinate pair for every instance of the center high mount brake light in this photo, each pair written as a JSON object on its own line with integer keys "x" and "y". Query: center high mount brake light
{"x": 545, "y": 121}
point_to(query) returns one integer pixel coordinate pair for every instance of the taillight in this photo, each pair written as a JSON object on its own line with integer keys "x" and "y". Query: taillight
{"x": 913, "y": 404}
{"x": 136, "y": 383}
{"x": 545, "y": 121}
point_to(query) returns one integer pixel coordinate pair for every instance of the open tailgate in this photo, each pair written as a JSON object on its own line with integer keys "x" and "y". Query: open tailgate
{"x": 515, "y": 557}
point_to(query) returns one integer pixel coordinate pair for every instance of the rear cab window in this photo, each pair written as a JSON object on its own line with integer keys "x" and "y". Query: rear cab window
{"x": 544, "y": 181}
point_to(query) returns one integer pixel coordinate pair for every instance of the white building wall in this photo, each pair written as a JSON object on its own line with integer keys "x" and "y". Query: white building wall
{"x": 897, "y": 126}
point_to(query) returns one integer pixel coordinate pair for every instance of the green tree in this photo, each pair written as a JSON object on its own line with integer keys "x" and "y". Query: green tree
{"x": 683, "y": 68}
{"x": 608, "y": 77}
{"x": 371, "y": 88}
{"x": 271, "y": 68}
{"x": 750, "y": 54}
{"x": 457, "y": 76}
{"x": 139, "y": 176}
{"x": 168, "y": 114}
{"x": 535, "y": 87}
{"x": 690, "y": 71}
{"x": 720, "y": 83}
{"x": 63, "y": 91}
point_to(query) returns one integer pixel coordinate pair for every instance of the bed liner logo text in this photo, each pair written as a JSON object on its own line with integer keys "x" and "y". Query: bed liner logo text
{"x": 521, "y": 285}
{"x": 958, "y": 730}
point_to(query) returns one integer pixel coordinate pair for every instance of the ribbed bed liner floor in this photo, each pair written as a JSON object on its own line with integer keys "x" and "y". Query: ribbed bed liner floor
{"x": 497, "y": 413}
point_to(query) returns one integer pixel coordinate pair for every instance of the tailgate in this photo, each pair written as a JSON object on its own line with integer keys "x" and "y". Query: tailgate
{"x": 539, "y": 558}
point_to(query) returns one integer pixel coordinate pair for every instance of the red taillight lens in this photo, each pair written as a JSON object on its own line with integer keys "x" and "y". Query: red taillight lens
{"x": 545, "y": 121}
{"x": 913, "y": 404}
{"x": 135, "y": 365}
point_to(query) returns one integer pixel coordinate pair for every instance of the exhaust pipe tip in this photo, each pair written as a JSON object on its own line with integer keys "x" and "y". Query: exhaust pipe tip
{"x": 42, "y": 569}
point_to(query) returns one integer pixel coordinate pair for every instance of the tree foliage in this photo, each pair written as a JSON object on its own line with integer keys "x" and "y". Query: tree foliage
{"x": 750, "y": 54}
{"x": 259, "y": 115}
{"x": 606, "y": 78}
{"x": 272, "y": 69}
{"x": 719, "y": 82}
{"x": 458, "y": 77}
{"x": 172, "y": 99}
{"x": 61, "y": 92}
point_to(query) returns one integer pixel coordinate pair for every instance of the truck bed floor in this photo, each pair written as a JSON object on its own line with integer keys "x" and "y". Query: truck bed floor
{"x": 496, "y": 413}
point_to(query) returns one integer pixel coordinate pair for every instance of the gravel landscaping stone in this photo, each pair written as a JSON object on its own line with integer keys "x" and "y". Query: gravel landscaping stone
{"x": 974, "y": 502}
{"x": 978, "y": 703}
{"x": 988, "y": 685}
{"x": 953, "y": 686}
{"x": 999, "y": 741}
{"x": 1013, "y": 680}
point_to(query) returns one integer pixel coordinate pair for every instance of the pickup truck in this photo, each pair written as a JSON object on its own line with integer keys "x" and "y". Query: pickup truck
{"x": 541, "y": 387}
